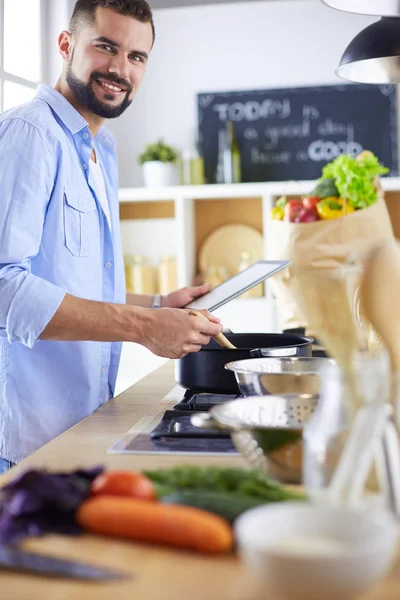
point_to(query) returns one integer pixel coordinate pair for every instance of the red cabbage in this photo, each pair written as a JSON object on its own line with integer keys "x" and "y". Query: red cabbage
{"x": 38, "y": 502}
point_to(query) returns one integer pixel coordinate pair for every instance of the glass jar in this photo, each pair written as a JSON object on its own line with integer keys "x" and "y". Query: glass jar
{"x": 143, "y": 276}
{"x": 326, "y": 432}
{"x": 128, "y": 264}
{"x": 167, "y": 274}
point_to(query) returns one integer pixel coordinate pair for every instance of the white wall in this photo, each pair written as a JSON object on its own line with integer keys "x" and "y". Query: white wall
{"x": 251, "y": 45}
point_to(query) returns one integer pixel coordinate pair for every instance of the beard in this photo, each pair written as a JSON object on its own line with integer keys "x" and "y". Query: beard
{"x": 85, "y": 94}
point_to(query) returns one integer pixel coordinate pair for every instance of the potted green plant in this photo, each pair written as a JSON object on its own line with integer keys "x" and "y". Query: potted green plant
{"x": 159, "y": 162}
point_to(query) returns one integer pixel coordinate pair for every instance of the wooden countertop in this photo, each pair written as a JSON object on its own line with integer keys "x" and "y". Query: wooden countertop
{"x": 157, "y": 573}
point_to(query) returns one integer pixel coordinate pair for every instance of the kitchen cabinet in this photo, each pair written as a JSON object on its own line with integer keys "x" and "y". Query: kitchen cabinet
{"x": 188, "y": 214}
{"x": 198, "y": 210}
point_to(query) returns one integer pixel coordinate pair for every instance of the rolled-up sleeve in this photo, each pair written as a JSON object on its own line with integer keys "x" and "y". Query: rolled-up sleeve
{"x": 27, "y": 171}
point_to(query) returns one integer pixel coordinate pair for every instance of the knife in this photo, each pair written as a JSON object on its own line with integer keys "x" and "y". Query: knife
{"x": 14, "y": 559}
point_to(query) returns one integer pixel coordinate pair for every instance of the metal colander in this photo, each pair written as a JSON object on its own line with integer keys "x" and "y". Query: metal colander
{"x": 267, "y": 430}
{"x": 261, "y": 376}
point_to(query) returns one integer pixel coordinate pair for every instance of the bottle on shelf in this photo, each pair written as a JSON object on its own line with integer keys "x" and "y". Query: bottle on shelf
{"x": 229, "y": 158}
{"x": 167, "y": 274}
{"x": 258, "y": 290}
{"x": 192, "y": 164}
{"x": 220, "y": 172}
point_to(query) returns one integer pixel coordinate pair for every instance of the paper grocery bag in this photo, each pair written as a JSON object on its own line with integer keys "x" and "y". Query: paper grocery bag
{"x": 320, "y": 246}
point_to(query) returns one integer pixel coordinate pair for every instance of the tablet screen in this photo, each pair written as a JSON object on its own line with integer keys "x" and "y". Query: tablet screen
{"x": 238, "y": 284}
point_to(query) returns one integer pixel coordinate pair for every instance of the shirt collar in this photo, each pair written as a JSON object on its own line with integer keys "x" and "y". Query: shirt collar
{"x": 68, "y": 114}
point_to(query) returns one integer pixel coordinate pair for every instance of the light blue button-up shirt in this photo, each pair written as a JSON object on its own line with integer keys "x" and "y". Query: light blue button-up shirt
{"x": 54, "y": 239}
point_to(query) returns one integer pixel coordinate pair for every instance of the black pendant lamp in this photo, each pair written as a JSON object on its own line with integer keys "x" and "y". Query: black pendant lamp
{"x": 373, "y": 56}
{"x": 375, "y": 8}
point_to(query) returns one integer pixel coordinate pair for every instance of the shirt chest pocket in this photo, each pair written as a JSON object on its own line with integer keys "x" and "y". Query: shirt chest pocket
{"x": 81, "y": 222}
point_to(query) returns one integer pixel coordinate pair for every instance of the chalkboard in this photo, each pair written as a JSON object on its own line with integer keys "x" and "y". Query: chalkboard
{"x": 289, "y": 134}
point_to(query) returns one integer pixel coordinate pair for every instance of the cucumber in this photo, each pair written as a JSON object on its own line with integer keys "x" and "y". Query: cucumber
{"x": 220, "y": 480}
{"x": 229, "y": 506}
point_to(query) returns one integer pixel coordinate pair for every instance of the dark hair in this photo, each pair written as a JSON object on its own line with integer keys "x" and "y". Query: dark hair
{"x": 85, "y": 10}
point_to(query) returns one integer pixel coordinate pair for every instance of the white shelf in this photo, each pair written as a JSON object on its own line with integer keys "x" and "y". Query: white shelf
{"x": 391, "y": 184}
{"x": 207, "y": 192}
{"x": 238, "y": 190}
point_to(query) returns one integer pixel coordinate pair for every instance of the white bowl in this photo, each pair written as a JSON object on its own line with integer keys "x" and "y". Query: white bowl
{"x": 305, "y": 552}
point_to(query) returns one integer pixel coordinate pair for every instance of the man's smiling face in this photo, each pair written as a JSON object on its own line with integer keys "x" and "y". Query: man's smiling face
{"x": 108, "y": 61}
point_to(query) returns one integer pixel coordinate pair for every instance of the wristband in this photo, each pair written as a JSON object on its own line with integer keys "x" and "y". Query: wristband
{"x": 156, "y": 301}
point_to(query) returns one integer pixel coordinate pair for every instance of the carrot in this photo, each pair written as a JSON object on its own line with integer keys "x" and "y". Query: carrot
{"x": 123, "y": 483}
{"x": 153, "y": 522}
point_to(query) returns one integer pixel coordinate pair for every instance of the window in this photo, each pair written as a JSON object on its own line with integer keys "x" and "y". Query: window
{"x": 21, "y": 61}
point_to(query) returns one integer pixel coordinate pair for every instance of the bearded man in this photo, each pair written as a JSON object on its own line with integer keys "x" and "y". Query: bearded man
{"x": 64, "y": 311}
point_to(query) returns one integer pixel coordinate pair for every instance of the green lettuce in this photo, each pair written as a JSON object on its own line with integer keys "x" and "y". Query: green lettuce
{"x": 355, "y": 178}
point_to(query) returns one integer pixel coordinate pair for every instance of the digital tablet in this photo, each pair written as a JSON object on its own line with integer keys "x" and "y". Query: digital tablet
{"x": 238, "y": 284}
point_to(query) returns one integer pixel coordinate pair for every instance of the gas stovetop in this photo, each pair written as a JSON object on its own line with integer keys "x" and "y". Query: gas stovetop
{"x": 175, "y": 433}
{"x": 201, "y": 401}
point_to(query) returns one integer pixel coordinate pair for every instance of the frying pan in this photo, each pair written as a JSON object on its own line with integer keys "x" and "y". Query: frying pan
{"x": 204, "y": 371}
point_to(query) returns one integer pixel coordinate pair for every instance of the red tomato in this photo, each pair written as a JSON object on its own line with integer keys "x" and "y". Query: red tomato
{"x": 293, "y": 202}
{"x": 292, "y": 210}
{"x": 307, "y": 215}
{"x": 123, "y": 483}
{"x": 311, "y": 201}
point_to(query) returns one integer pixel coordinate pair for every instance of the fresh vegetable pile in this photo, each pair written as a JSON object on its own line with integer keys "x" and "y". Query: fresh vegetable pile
{"x": 183, "y": 507}
{"x": 347, "y": 184}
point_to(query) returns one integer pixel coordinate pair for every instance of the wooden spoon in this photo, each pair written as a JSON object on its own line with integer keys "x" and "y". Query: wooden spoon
{"x": 220, "y": 338}
{"x": 380, "y": 293}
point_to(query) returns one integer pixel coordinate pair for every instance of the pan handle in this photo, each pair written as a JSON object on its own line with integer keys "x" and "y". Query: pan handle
{"x": 274, "y": 352}
{"x": 205, "y": 421}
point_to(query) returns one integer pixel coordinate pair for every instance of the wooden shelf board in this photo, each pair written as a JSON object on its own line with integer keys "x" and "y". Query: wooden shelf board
{"x": 147, "y": 210}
